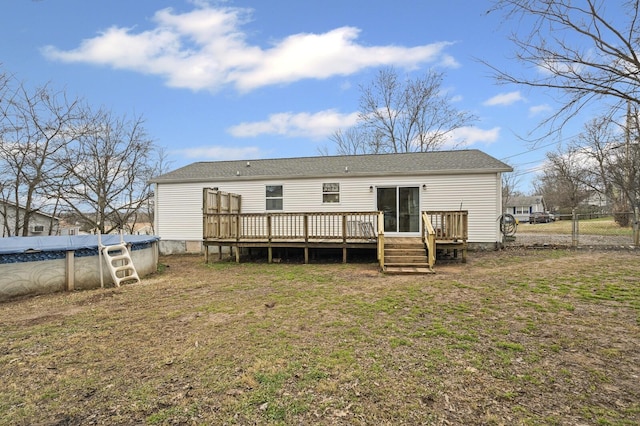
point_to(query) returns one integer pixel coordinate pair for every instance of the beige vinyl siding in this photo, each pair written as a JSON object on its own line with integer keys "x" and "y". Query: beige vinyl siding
{"x": 475, "y": 193}
{"x": 179, "y": 211}
{"x": 179, "y": 206}
{"x": 303, "y": 195}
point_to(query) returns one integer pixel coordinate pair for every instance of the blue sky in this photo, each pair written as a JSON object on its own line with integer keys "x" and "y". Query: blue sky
{"x": 245, "y": 79}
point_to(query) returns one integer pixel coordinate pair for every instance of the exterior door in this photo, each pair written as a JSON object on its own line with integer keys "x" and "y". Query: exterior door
{"x": 401, "y": 208}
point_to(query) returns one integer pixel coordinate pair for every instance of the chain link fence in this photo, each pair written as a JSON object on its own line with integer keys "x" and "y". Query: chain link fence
{"x": 579, "y": 230}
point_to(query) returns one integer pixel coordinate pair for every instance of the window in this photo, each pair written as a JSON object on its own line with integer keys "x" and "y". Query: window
{"x": 522, "y": 210}
{"x": 274, "y": 197}
{"x": 37, "y": 229}
{"x": 330, "y": 192}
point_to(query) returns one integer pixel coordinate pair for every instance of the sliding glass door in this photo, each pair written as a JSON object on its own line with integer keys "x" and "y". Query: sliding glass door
{"x": 401, "y": 207}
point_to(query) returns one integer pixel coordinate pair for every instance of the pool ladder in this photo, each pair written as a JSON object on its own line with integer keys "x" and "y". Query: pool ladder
{"x": 119, "y": 262}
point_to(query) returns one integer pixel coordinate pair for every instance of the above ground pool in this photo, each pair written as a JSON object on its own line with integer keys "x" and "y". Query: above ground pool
{"x": 36, "y": 265}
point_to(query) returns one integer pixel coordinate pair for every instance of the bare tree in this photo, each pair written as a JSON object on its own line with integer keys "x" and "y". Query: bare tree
{"x": 58, "y": 153}
{"x": 563, "y": 181}
{"x": 610, "y": 161}
{"x": 109, "y": 171}
{"x": 35, "y": 125}
{"x": 399, "y": 115}
{"x": 354, "y": 141}
{"x": 510, "y": 182}
{"x": 588, "y": 50}
{"x": 598, "y": 143}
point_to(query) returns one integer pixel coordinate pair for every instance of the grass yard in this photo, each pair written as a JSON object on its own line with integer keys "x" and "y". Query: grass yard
{"x": 601, "y": 226}
{"x": 513, "y": 337}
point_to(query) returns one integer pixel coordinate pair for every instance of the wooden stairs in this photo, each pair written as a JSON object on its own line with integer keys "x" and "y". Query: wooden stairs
{"x": 405, "y": 255}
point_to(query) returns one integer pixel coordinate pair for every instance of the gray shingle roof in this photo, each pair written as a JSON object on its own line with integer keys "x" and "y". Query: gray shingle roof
{"x": 436, "y": 162}
{"x": 524, "y": 200}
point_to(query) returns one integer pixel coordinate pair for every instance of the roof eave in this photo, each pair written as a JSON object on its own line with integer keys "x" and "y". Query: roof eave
{"x": 235, "y": 178}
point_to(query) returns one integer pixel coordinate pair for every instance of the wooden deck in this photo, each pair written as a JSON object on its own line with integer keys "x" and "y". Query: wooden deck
{"x": 343, "y": 230}
{"x": 224, "y": 225}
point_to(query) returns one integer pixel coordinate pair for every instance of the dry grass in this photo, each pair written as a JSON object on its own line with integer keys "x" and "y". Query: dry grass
{"x": 517, "y": 337}
{"x": 602, "y": 226}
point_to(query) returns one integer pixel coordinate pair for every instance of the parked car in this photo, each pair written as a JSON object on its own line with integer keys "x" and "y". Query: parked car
{"x": 540, "y": 217}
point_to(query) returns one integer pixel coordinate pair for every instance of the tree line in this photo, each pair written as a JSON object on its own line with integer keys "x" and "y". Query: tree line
{"x": 63, "y": 157}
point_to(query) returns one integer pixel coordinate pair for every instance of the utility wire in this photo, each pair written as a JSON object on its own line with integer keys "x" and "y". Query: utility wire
{"x": 540, "y": 147}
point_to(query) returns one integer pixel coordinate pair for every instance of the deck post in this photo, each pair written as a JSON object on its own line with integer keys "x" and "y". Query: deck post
{"x": 381, "y": 239}
{"x": 206, "y": 253}
{"x": 306, "y": 238}
{"x": 344, "y": 238}
{"x": 344, "y": 228}
{"x": 269, "y": 248}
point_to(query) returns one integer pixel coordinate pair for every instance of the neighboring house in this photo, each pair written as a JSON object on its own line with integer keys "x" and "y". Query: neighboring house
{"x": 599, "y": 201}
{"x": 522, "y": 207}
{"x": 40, "y": 224}
{"x": 400, "y": 185}
{"x": 142, "y": 228}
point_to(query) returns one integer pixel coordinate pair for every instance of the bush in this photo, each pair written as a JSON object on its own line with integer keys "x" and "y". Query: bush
{"x": 621, "y": 216}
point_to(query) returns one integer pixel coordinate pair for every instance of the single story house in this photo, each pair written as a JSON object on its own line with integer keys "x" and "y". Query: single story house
{"x": 397, "y": 187}
{"x": 40, "y": 223}
{"x": 523, "y": 206}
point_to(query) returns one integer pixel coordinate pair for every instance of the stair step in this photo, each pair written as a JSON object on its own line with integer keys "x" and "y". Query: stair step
{"x": 402, "y": 250}
{"x": 407, "y": 270}
{"x": 401, "y": 262}
{"x": 405, "y": 246}
{"x": 405, "y": 256}
{"x": 406, "y": 259}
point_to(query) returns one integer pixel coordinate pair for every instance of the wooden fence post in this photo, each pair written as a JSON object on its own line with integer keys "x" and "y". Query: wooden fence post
{"x": 574, "y": 228}
{"x": 636, "y": 227}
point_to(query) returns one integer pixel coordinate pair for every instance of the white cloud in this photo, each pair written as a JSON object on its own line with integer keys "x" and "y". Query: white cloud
{"x": 314, "y": 126}
{"x": 449, "y": 61}
{"x": 539, "y": 109}
{"x": 469, "y": 135}
{"x": 219, "y": 153}
{"x": 504, "y": 99}
{"x": 207, "y": 49}
{"x": 345, "y": 85}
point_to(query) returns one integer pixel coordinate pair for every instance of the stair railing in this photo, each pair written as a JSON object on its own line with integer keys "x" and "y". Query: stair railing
{"x": 429, "y": 239}
{"x": 381, "y": 239}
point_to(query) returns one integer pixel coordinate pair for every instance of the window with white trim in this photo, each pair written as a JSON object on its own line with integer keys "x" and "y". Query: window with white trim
{"x": 522, "y": 210}
{"x": 330, "y": 193}
{"x": 274, "y": 197}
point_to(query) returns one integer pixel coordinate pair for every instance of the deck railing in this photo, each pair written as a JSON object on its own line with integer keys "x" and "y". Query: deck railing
{"x": 319, "y": 226}
{"x": 448, "y": 225}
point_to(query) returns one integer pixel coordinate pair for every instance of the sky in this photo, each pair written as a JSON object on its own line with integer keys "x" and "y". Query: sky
{"x": 239, "y": 79}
